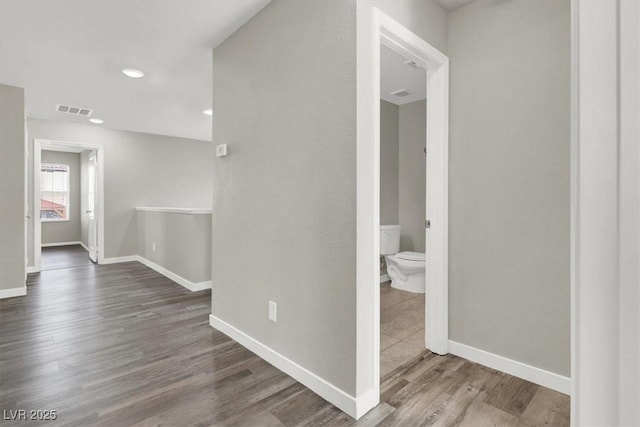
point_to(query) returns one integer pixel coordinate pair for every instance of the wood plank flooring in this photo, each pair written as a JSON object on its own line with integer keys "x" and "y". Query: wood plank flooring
{"x": 120, "y": 345}
{"x": 64, "y": 257}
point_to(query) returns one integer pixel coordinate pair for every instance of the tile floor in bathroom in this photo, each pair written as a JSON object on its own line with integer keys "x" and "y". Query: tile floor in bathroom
{"x": 401, "y": 327}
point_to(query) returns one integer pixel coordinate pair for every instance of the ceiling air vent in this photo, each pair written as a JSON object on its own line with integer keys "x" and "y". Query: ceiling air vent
{"x": 78, "y": 111}
{"x": 400, "y": 93}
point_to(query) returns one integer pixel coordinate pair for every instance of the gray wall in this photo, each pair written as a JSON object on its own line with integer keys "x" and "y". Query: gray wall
{"x": 65, "y": 231}
{"x": 412, "y": 174}
{"x": 403, "y": 170}
{"x": 12, "y": 250}
{"x": 388, "y": 163}
{"x": 183, "y": 243}
{"x": 426, "y": 18}
{"x": 509, "y": 180}
{"x": 285, "y": 102}
{"x": 140, "y": 170}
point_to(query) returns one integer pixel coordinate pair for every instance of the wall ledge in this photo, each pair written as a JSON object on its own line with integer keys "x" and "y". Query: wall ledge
{"x": 185, "y": 211}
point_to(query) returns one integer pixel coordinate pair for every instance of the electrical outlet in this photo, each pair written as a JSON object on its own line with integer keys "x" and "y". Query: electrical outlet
{"x": 273, "y": 311}
{"x": 153, "y": 247}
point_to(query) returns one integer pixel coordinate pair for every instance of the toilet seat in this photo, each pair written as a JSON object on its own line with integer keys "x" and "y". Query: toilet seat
{"x": 408, "y": 263}
{"x": 412, "y": 256}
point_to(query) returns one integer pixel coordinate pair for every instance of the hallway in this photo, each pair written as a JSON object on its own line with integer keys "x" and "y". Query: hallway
{"x": 138, "y": 348}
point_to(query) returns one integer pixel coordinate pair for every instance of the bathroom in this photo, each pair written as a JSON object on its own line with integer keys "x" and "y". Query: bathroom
{"x": 402, "y": 211}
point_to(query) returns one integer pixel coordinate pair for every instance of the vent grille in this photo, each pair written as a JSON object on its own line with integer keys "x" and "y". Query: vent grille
{"x": 400, "y": 93}
{"x": 78, "y": 111}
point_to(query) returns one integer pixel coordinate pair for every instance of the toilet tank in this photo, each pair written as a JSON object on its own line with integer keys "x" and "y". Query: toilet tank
{"x": 389, "y": 239}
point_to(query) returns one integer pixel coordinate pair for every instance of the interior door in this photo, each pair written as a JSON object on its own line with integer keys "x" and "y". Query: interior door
{"x": 91, "y": 206}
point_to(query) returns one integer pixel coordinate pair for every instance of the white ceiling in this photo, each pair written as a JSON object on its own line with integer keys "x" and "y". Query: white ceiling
{"x": 72, "y": 52}
{"x": 450, "y": 5}
{"x": 396, "y": 75}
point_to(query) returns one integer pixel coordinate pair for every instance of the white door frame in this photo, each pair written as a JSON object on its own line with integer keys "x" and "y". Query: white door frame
{"x": 373, "y": 29}
{"x": 38, "y": 145}
{"x": 605, "y": 212}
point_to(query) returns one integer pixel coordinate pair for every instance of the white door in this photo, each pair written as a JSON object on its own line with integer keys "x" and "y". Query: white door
{"x": 91, "y": 206}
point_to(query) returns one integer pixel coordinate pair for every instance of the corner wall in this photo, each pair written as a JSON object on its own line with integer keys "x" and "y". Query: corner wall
{"x": 12, "y": 197}
{"x": 284, "y": 201}
{"x": 509, "y": 180}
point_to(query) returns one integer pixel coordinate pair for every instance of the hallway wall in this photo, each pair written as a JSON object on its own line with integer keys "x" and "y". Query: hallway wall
{"x": 12, "y": 197}
{"x": 509, "y": 223}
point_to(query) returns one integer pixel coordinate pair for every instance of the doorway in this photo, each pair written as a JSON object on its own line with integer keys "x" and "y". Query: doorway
{"x": 68, "y": 204}
{"x": 403, "y": 115}
{"x": 385, "y": 31}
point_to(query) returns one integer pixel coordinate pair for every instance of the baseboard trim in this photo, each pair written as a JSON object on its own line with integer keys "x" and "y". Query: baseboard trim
{"x": 384, "y": 278}
{"x": 326, "y": 390}
{"x": 84, "y": 246}
{"x": 32, "y": 269}
{"x": 13, "y": 292}
{"x": 538, "y": 376}
{"x": 193, "y": 287}
{"x": 366, "y": 401}
{"x": 119, "y": 259}
{"x": 51, "y": 245}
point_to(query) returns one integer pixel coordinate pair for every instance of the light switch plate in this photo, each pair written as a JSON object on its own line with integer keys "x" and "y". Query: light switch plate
{"x": 221, "y": 150}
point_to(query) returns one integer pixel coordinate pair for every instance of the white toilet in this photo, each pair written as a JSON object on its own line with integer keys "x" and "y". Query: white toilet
{"x": 406, "y": 269}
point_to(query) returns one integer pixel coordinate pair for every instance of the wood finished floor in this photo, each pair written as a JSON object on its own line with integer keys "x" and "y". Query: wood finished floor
{"x": 120, "y": 345}
{"x": 64, "y": 257}
{"x": 401, "y": 327}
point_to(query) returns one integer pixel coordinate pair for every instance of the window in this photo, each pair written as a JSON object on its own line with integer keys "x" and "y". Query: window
{"x": 54, "y": 192}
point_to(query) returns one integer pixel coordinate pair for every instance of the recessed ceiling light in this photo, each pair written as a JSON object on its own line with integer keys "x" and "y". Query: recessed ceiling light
{"x": 208, "y": 112}
{"x": 96, "y": 121}
{"x": 133, "y": 73}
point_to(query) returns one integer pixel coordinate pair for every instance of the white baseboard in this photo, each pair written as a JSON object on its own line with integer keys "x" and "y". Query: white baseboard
{"x": 32, "y": 269}
{"x": 84, "y": 246}
{"x": 194, "y": 287}
{"x": 512, "y": 367}
{"x": 366, "y": 401}
{"x": 384, "y": 278}
{"x": 326, "y": 390}
{"x": 13, "y": 292}
{"x": 50, "y": 245}
{"x": 119, "y": 259}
